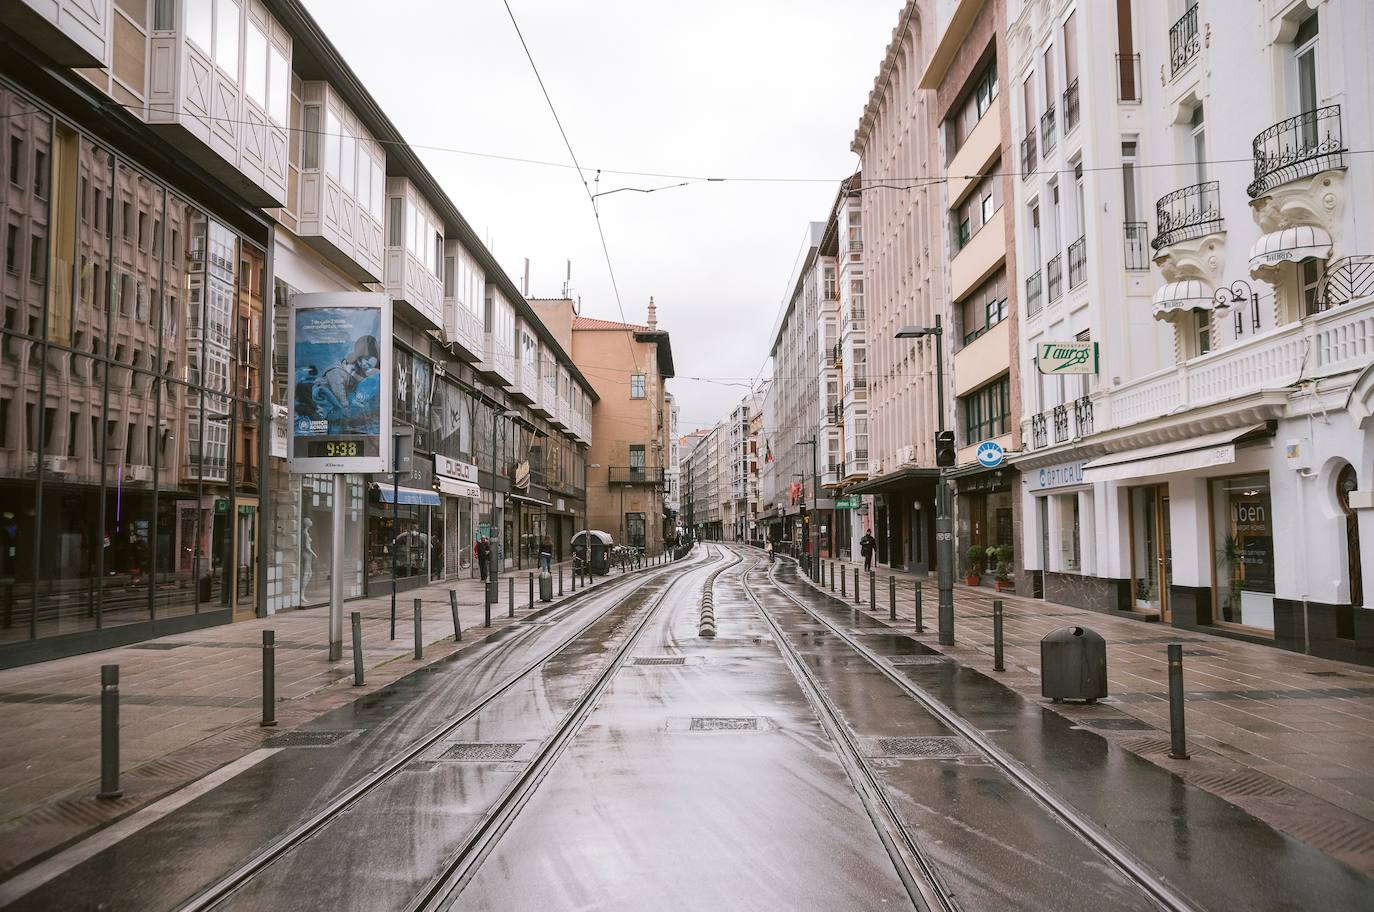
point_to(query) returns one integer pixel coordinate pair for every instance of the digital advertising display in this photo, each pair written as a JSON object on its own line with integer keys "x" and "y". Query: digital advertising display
{"x": 341, "y": 372}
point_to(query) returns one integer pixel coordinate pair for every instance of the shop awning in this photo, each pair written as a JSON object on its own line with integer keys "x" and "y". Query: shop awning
{"x": 1290, "y": 245}
{"x": 1176, "y": 297}
{"x": 456, "y": 487}
{"x": 1204, "y": 452}
{"x": 525, "y": 498}
{"x": 413, "y": 496}
{"x": 901, "y": 480}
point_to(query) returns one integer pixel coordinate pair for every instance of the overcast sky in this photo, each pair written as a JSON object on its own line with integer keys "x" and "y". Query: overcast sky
{"x": 747, "y": 88}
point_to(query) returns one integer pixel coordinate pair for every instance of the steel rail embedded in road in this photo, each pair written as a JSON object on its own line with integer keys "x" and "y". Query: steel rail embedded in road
{"x": 444, "y": 890}
{"x": 223, "y": 888}
{"x": 1118, "y": 855}
{"x": 916, "y": 872}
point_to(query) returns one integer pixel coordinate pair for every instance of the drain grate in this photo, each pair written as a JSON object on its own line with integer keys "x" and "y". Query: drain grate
{"x": 1334, "y": 835}
{"x": 1201, "y": 653}
{"x": 1242, "y": 785}
{"x": 482, "y": 750}
{"x": 307, "y": 739}
{"x": 661, "y": 660}
{"x": 929, "y": 747}
{"x": 1120, "y": 724}
{"x": 163, "y": 646}
{"x": 919, "y": 660}
{"x": 1148, "y": 745}
{"x": 724, "y": 723}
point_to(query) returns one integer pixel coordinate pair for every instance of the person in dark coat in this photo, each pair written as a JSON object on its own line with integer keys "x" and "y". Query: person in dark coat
{"x": 866, "y": 546}
{"x": 483, "y": 551}
{"x": 545, "y": 554}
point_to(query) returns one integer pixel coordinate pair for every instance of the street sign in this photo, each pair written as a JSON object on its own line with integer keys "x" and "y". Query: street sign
{"x": 1076, "y": 357}
{"x": 990, "y": 454}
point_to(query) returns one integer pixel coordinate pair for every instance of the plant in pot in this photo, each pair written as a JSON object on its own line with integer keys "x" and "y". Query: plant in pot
{"x": 973, "y": 572}
{"x": 1003, "y": 555}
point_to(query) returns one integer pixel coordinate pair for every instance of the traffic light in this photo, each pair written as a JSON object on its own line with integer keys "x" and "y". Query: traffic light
{"x": 944, "y": 449}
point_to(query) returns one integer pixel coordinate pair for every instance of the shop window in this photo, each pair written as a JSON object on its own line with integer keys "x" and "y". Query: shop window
{"x": 1070, "y": 544}
{"x": 1243, "y": 550}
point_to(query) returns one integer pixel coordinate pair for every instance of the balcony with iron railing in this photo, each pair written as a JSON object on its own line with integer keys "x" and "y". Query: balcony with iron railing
{"x": 1128, "y": 78}
{"x": 1137, "y": 237}
{"x": 1054, "y": 272}
{"x": 1082, "y": 416}
{"x": 856, "y": 246}
{"x": 1039, "y": 433}
{"x": 635, "y": 475}
{"x": 1298, "y": 147}
{"x": 1048, "y": 123}
{"x": 1078, "y": 262}
{"x": 1033, "y": 289}
{"x": 1060, "y": 416}
{"x": 1071, "y": 107}
{"x": 1347, "y": 279}
{"x": 1028, "y": 153}
{"x": 1187, "y": 214}
{"x": 1184, "y": 41}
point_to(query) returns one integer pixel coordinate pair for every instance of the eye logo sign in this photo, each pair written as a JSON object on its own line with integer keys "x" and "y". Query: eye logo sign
{"x": 1076, "y": 357}
{"x": 990, "y": 454}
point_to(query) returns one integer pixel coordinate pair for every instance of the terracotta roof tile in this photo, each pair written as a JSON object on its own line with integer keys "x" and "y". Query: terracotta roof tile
{"x": 581, "y": 322}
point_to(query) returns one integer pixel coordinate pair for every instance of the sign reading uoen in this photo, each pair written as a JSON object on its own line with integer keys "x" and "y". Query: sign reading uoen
{"x": 340, "y": 354}
{"x": 1076, "y": 357}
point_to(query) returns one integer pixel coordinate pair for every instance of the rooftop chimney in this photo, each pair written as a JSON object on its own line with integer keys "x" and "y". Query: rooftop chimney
{"x": 653, "y": 313}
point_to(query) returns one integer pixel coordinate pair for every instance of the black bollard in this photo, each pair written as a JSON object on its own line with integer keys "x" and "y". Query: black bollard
{"x": 486, "y": 611}
{"x": 269, "y": 679}
{"x": 531, "y": 590}
{"x": 109, "y": 733}
{"x": 453, "y": 608}
{"x": 997, "y": 636}
{"x": 419, "y": 637}
{"x": 872, "y": 591}
{"x": 510, "y": 597}
{"x": 1178, "y": 742}
{"x": 892, "y": 598}
{"x": 357, "y": 622}
{"x": 560, "y": 580}
{"x": 843, "y": 585}
{"x": 856, "y": 586}
{"x": 920, "y": 622}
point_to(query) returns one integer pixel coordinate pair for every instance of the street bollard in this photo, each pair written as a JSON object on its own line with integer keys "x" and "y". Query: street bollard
{"x": 453, "y": 608}
{"x": 486, "y": 612}
{"x": 510, "y": 597}
{"x": 574, "y": 577}
{"x": 872, "y": 592}
{"x": 357, "y": 622}
{"x": 531, "y": 590}
{"x": 892, "y": 598}
{"x": 419, "y": 637}
{"x": 997, "y": 636}
{"x": 560, "y": 580}
{"x": 856, "y": 586}
{"x": 1178, "y": 742}
{"x": 109, "y": 733}
{"x": 920, "y": 622}
{"x": 269, "y": 679}
{"x": 843, "y": 585}
{"x": 832, "y": 576}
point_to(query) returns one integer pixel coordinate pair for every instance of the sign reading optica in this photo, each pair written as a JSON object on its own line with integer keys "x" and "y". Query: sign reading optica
{"x": 990, "y": 454}
{"x": 340, "y": 366}
{"x": 1076, "y": 357}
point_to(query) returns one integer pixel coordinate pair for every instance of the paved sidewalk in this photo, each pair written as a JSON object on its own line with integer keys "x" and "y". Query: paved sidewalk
{"x": 1288, "y": 737}
{"x": 191, "y": 702}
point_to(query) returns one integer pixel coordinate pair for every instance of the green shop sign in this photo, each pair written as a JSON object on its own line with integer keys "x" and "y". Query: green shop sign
{"x": 850, "y": 502}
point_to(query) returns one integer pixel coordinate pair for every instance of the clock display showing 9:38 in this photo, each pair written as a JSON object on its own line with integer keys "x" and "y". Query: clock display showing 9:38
{"x": 335, "y": 449}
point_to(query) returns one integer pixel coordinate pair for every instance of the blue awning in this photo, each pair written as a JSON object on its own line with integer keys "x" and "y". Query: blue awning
{"x": 408, "y": 495}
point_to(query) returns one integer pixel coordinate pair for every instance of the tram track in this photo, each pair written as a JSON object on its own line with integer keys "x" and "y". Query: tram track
{"x": 1116, "y": 855}
{"x": 618, "y": 593}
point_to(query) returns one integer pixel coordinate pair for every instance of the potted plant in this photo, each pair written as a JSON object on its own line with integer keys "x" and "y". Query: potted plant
{"x": 973, "y": 573}
{"x": 1003, "y": 555}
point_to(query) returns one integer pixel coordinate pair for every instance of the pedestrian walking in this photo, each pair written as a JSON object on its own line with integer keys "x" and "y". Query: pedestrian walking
{"x": 768, "y": 546}
{"x": 866, "y": 545}
{"x": 483, "y": 552}
{"x": 546, "y": 554}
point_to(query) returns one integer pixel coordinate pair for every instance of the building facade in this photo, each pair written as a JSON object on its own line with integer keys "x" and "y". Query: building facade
{"x": 1196, "y": 394}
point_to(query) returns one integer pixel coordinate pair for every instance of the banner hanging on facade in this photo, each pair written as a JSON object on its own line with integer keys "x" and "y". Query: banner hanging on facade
{"x": 1076, "y": 357}
{"x": 340, "y": 365}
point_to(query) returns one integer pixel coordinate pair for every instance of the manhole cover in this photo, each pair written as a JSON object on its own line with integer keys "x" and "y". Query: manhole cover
{"x": 919, "y": 660}
{"x": 1119, "y": 725}
{"x": 930, "y": 747}
{"x": 724, "y": 723}
{"x": 660, "y": 660}
{"x": 157, "y": 645}
{"x": 307, "y": 739}
{"x": 482, "y": 750}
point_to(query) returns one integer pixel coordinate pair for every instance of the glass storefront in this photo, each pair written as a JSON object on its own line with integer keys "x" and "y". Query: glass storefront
{"x": 130, "y": 358}
{"x": 1151, "y": 548}
{"x": 1243, "y": 550}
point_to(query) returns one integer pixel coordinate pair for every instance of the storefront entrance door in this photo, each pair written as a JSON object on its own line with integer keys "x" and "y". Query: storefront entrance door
{"x": 245, "y": 558}
{"x": 1151, "y": 557}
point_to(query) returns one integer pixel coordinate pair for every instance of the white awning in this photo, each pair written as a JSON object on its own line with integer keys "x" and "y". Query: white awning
{"x": 456, "y": 487}
{"x": 1202, "y": 452}
{"x": 1176, "y": 297}
{"x": 1291, "y": 245}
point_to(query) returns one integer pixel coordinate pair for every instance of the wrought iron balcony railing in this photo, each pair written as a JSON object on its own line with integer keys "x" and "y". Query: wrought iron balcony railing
{"x": 1083, "y": 416}
{"x": 1039, "y": 434}
{"x": 1071, "y": 107}
{"x": 1347, "y": 279}
{"x": 1078, "y": 262}
{"x": 1028, "y": 153}
{"x": 635, "y": 475}
{"x": 1054, "y": 272}
{"x": 1061, "y": 423}
{"x": 1184, "y": 41}
{"x": 1033, "y": 294}
{"x": 1128, "y": 78}
{"x": 1186, "y": 214}
{"x": 1047, "y": 129}
{"x": 1298, "y": 147}
{"x": 1137, "y": 236}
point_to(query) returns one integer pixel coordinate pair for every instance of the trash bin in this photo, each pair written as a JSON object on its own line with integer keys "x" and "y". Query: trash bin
{"x": 1073, "y": 665}
{"x": 546, "y": 586}
{"x": 601, "y": 550}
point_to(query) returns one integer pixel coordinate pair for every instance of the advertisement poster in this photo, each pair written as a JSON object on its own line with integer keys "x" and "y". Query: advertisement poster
{"x": 341, "y": 371}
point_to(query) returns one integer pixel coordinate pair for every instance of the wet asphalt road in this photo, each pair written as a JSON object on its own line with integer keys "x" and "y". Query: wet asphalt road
{"x": 709, "y": 783}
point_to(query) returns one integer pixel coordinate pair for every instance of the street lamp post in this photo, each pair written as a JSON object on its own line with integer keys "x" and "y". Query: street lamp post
{"x": 493, "y": 592}
{"x": 944, "y": 532}
{"x": 815, "y": 507}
